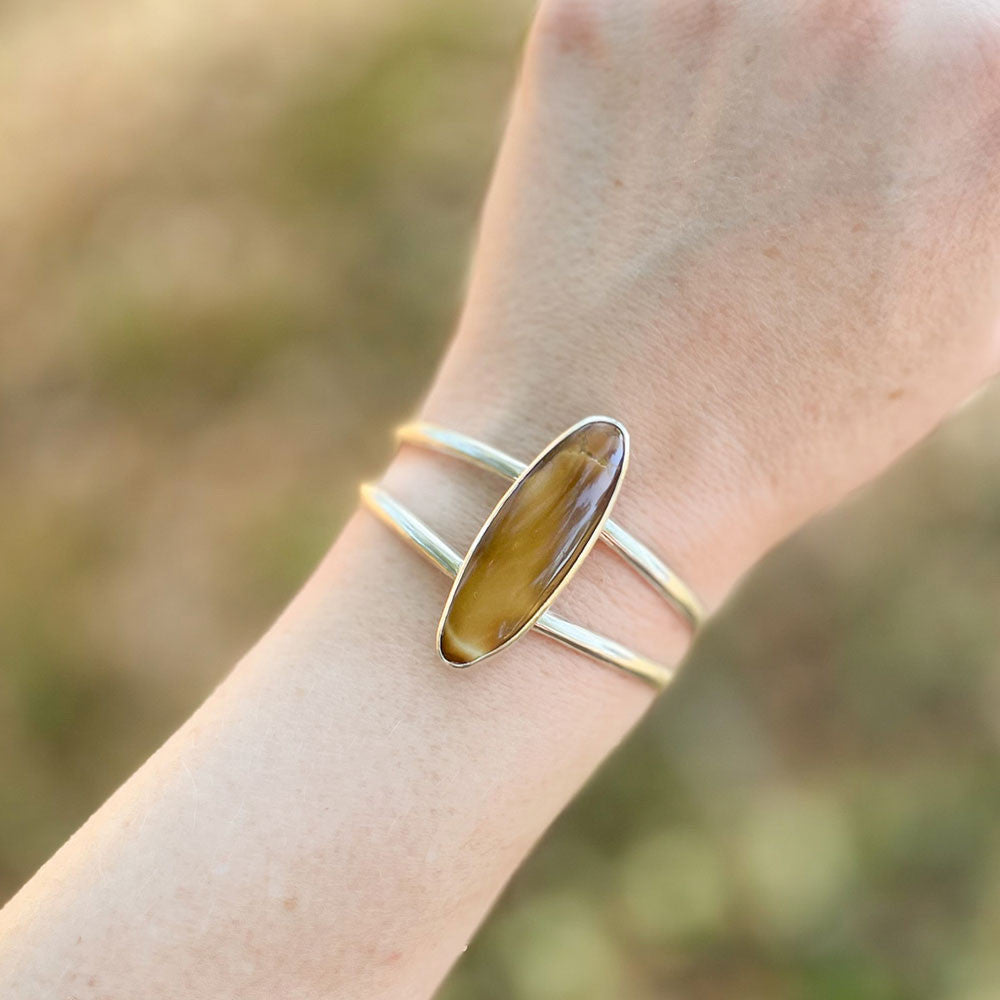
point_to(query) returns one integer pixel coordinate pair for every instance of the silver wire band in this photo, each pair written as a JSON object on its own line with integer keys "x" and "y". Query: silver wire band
{"x": 435, "y": 549}
{"x": 641, "y": 558}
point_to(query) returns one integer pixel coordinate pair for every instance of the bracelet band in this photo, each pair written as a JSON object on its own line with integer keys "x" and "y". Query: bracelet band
{"x": 532, "y": 543}
{"x": 413, "y": 530}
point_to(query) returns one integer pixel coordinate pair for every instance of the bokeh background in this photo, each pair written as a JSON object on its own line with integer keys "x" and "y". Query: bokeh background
{"x": 232, "y": 242}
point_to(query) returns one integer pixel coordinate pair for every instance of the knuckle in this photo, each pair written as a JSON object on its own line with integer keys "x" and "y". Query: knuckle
{"x": 602, "y": 27}
{"x": 693, "y": 21}
{"x": 860, "y": 25}
{"x": 568, "y": 27}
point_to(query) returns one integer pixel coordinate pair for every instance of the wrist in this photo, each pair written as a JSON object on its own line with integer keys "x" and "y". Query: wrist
{"x": 691, "y": 491}
{"x": 617, "y": 591}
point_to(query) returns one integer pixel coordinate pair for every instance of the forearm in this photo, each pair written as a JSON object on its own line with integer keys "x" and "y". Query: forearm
{"x": 338, "y": 816}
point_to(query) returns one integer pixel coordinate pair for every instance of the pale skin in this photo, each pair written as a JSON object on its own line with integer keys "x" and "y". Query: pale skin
{"x": 761, "y": 234}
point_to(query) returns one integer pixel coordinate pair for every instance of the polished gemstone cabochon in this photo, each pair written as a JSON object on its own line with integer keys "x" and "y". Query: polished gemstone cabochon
{"x": 530, "y": 545}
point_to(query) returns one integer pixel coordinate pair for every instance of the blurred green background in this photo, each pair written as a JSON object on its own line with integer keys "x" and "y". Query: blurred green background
{"x": 232, "y": 240}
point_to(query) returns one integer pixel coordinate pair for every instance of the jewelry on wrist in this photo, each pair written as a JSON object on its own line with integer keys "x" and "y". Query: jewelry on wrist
{"x": 533, "y": 542}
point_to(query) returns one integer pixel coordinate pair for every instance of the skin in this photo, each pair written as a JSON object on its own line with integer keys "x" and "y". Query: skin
{"x": 761, "y": 234}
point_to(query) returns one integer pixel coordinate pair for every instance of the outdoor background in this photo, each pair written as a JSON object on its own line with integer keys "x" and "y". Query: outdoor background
{"x": 232, "y": 240}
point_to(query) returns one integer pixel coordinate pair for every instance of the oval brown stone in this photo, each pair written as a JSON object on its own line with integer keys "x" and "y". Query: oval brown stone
{"x": 526, "y": 551}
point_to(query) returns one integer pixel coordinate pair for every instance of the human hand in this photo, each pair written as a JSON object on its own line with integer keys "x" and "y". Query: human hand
{"x": 762, "y": 234}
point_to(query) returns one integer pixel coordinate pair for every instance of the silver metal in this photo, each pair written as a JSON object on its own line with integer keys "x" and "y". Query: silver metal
{"x": 437, "y": 551}
{"x": 639, "y": 556}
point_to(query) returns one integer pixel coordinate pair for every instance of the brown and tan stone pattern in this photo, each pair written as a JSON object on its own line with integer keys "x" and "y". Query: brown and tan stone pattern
{"x": 533, "y": 542}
